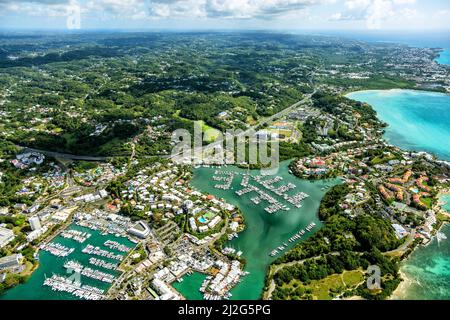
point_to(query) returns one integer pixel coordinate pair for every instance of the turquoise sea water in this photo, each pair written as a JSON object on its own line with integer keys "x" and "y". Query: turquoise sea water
{"x": 428, "y": 271}
{"x": 49, "y": 265}
{"x": 444, "y": 57}
{"x": 446, "y": 200}
{"x": 418, "y": 120}
{"x": 264, "y": 232}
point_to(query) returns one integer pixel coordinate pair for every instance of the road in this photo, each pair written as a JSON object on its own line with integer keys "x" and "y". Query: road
{"x": 405, "y": 246}
{"x": 282, "y": 113}
{"x": 200, "y": 150}
{"x": 55, "y": 154}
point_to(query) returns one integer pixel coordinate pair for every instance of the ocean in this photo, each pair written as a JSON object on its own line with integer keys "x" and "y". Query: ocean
{"x": 418, "y": 120}
{"x": 427, "y": 272}
{"x": 435, "y": 39}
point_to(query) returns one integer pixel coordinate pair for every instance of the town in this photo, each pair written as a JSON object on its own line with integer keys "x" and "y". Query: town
{"x": 87, "y": 181}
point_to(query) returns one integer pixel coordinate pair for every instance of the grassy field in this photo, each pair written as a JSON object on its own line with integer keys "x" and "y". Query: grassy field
{"x": 211, "y": 134}
{"x": 336, "y": 283}
{"x": 331, "y": 286}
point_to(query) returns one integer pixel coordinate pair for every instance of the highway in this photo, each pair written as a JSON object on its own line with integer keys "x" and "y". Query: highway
{"x": 200, "y": 150}
{"x": 69, "y": 156}
{"x": 253, "y": 128}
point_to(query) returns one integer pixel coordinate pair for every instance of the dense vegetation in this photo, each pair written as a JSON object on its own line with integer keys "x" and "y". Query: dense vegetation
{"x": 341, "y": 244}
{"x": 93, "y": 93}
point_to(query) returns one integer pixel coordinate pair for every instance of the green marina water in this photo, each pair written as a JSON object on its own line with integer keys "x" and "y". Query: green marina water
{"x": 190, "y": 285}
{"x": 264, "y": 231}
{"x": 49, "y": 264}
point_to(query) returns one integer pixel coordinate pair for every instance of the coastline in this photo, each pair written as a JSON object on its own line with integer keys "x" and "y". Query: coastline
{"x": 405, "y": 285}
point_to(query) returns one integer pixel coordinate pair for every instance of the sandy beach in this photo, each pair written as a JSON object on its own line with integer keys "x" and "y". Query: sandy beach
{"x": 402, "y": 288}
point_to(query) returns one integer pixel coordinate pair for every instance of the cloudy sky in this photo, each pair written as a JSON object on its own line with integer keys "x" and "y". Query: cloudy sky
{"x": 227, "y": 14}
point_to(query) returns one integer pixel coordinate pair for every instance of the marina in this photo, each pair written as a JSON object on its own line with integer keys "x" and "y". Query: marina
{"x": 96, "y": 251}
{"x": 52, "y": 280}
{"x": 296, "y": 237}
{"x": 102, "y": 263}
{"x": 76, "y": 235}
{"x": 61, "y": 284}
{"x": 264, "y": 232}
{"x": 116, "y": 246}
{"x": 74, "y": 266}
{"x": 57, "y": 249}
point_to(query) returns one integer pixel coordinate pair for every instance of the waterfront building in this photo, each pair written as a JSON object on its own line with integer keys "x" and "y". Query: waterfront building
{"x": 164, "y": 290}
{"x": 400, "y": 232}
{"x": 33, "y": 235}
{"x": 11, "y": 263}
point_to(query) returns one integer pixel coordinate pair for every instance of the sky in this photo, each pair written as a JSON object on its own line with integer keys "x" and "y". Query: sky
{"x": 402, "y": 15}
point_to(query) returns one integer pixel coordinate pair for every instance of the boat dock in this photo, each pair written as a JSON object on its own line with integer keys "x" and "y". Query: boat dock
{"x": 116, "y": 246}
{"x": 76, "y": 235}
{"x": 61, "y": 284}
{"x": 102, "y": 263}
{"x": 57, "y": 249}
{"x": 96, "y": 251}
{"x": 88, "y": 272}
{"x": 297, "y": 236}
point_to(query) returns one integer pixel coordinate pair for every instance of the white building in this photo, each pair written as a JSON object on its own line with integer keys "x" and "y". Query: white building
{"x": 6, "y": 236}
{"x": 214, "y": 222}
{"x": 192, "y": 224}
{"x": 12, "y": 262}
{"x": 35, "y": 223}
{"x": 140, "y": 230}
{"x": 164, "y": 290}
{"x": 33, "y": 235}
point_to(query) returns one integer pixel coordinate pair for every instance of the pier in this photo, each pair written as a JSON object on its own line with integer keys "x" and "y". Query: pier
{"x": 61, "y": 284}
{"x": 88, "y": 272}
{"x": 297, "y": 236}
{"x": 76, "y": 235}
{"x": 90, "y": 249}
{"x": 57, "y": 249}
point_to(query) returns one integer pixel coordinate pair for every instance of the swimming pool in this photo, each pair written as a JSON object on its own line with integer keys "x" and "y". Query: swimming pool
{"x": 202, "y": 219}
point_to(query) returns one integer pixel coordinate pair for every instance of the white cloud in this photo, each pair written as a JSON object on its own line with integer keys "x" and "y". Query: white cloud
{"x": 142, "y": 9}
{"x": 409, "y": 13}
{"x": 376, "y": 12}
{"x": 48, "y": 8}
{"x": 231, "y": 9}
{"x": 404, "y": 1}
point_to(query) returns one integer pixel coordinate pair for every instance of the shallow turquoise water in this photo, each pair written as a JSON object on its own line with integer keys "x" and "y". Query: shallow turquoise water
{"x": 49, "y": 264}
{"x": 264, "y": 232}
{"x": 418, "y": 120}
{"x": 446, "y": 200}
{"x": 428, "y": 269}
{"x": 444, "y": 57}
